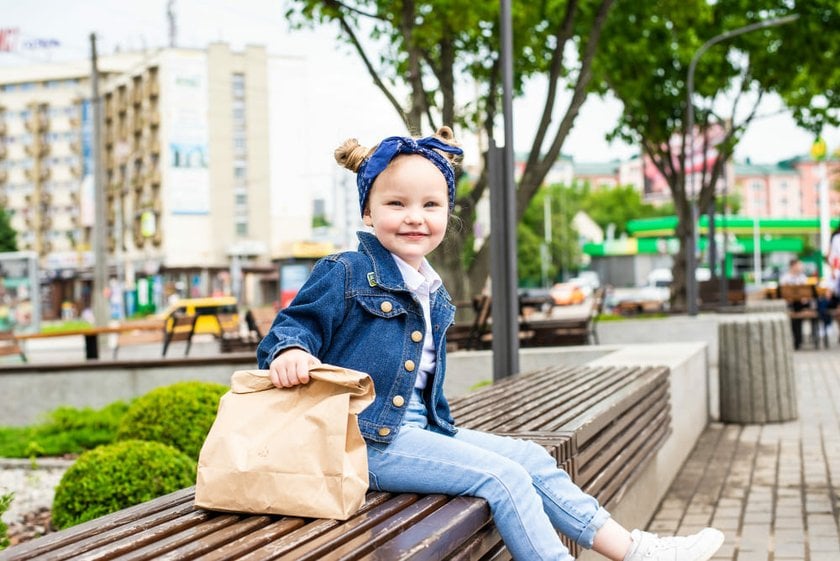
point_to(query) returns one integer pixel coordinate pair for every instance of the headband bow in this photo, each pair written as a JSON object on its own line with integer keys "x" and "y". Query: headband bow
{"x": 392, "y": 147}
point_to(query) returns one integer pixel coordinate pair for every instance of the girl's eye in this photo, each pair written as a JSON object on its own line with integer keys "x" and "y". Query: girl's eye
{"x": 394, "y": 203}
{"x": 432, "y": 204}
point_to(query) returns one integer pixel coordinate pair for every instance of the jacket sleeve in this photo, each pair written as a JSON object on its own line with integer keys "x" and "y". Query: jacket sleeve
{"x": 311, "y": 319}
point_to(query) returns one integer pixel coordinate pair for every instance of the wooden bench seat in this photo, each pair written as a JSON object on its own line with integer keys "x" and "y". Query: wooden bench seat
{"x": 601, "y": 424}
{"x": 9, "y": 345}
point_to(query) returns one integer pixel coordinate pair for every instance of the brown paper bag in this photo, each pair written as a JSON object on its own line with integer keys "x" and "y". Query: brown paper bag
{"x": 294, "y": 451}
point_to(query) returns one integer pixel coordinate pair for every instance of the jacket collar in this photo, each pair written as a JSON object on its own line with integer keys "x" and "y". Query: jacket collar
{"x": 385, "y": 270}
{"x": 386, "y": 273}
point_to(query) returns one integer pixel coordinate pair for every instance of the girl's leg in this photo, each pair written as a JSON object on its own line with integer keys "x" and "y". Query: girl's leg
{"x": 419, "y": 460}
{"x": 573, "y": 512}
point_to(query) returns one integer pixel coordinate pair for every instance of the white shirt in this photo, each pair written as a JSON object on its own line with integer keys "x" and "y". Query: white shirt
{"x": 422, "y": 283}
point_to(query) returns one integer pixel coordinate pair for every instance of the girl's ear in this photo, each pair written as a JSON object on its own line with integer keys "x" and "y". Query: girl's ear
{"x": 367, "y": 218}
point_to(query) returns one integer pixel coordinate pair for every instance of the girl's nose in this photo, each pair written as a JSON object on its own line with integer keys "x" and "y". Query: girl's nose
{"x": 414, "y": 216}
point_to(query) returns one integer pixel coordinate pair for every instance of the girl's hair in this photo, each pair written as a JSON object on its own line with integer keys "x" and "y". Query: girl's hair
{"x": 351, "y": 154}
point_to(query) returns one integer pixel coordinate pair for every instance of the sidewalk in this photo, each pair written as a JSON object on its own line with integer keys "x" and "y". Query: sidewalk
{"x": 774, "y": 489}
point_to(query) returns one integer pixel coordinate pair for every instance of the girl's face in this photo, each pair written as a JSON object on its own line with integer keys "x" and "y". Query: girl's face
{"x": 408, "y": 208}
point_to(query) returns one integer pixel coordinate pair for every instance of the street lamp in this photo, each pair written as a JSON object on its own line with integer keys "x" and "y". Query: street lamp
{"x": 691, "y": 258}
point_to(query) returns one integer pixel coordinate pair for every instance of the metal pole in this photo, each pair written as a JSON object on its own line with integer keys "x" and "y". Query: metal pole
{"x": 100, "y": 257}
{"x": 691, "y": 262}
{"x": 503, "y": 229}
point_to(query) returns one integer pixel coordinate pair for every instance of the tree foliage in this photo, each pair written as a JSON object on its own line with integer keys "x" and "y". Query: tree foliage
{"x": 605, "y": 206}
{"x": 8, "y": 235}
{"x": 646, "y": 63}
{"x": 422, "y": 53}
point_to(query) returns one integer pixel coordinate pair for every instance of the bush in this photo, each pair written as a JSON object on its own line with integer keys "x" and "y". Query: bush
{"x": 65, "y": 430}
{"x": 179, "y": 415}
{"x": 5, "y": 503}
{"x": 116, "y": 476}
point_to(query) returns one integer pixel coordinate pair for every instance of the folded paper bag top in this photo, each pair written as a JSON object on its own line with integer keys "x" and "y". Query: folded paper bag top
{"x": 294, "y": 451}
{"x": 356, "y": 384}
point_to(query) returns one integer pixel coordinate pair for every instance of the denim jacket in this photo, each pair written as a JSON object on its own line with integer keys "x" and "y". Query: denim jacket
{"x": 356, "y": 312}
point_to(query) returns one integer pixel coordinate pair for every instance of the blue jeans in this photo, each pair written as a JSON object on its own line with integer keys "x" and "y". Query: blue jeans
{"x": 529, "y": 496}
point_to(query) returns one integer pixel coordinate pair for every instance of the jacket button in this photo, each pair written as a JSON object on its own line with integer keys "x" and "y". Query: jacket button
{"x": 398, "y": 400}
{"x": 409, "y": 365}
{"x": 384, "y": 431}
{"x": 386, "y": 307}
{"x": 416, "y": 336}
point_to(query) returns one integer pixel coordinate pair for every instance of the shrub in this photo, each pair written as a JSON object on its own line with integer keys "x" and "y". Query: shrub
{"x": 116, "y": 476}
{"x": 180, "y": 415}
{"x": 65, "y": 430}
{"x": 5, "y": 503}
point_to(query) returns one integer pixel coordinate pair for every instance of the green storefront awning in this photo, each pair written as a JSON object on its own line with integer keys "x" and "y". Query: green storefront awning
{"x": 670, "y": 246}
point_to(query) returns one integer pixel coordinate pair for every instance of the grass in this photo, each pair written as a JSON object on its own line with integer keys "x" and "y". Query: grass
{"x": 66, "y": 325}
{"x": 65, "y": 430}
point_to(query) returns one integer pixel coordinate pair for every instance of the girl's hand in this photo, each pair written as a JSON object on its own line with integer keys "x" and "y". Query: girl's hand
{"x": 291, "y": 367}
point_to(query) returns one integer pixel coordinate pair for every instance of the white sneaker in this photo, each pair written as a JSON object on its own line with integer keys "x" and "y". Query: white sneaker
{"x": 650, "y": 547}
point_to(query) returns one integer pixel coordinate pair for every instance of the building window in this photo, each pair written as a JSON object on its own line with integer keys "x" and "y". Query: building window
{"x": 242, "y": 228}
{"x": 238, "y": 85}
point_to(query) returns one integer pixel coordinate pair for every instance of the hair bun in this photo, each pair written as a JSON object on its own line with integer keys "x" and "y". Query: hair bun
{"x": 351, "y": 154}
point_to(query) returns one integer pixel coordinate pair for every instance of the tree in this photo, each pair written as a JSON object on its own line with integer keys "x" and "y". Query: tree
{"x": 8, "y": 235}
{"x": 618, "y": 205}
{"x": 563, "y": 249}
{"x": 429, "y": 47}
{"x": 645, "y": 64}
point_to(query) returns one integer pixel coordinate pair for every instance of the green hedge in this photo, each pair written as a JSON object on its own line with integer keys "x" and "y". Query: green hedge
{"x": 65, "y": 430}
{"x": 180, "y": 415}
{"x": 116, "y": 476}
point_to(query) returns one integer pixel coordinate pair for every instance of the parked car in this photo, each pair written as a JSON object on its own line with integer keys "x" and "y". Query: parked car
{"x": 568, "y": 293}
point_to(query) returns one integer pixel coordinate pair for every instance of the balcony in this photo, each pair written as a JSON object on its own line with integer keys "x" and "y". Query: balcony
{"x": 137, "y": 93}
{"x": 4, "y": 175}
{"x": 138, "y": 123}
{"x": 154, "y": 145}
{"x": 3, "y": 152}
{"x": 76, "y": 146}
{"x": 37, "y": 150}
{"x": 76, "y": 171}
{"x": 153, "y": 115}
{"x": 37, "y": 123}
{"x": 152, "y": 87}
{"x": 2, "y": 128}
{"x": 154, "y": 177}
{"x": 39, "y": 176}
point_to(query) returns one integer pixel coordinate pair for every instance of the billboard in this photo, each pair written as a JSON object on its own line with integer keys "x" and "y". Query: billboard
{"x": 186, "y": 109}
{"x": 20, "y": 299}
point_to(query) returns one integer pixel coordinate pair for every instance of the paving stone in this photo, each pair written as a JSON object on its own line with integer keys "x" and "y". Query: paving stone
{"x": 774, "y": 489}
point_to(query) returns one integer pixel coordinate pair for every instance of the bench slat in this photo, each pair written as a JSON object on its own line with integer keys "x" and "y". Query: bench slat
{"x": 86, "y": 536}
{"x": 364, "y": 543}
{"x": 457, "y": 520}
{"x": 317, "y": 527}
{"x": 199, "y": 539}
{"x": 248, "y": 543}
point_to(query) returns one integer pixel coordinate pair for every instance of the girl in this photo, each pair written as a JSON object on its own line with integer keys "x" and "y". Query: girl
{"x": 383, "y": 310}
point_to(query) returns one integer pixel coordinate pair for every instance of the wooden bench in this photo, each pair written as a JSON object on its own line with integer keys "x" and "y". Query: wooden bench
{"x": 9, "y": 345}
{"x": 581, "y": 330}
{"x": 258, "y": 321}
{"x": 709, "y": 293}
{"x": 601, "y": 424}
{"x": 178, "y": 327}
{"x": 475, "y": 335}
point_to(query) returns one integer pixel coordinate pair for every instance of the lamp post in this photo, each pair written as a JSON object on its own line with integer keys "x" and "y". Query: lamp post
{"x": 691, "y": 257}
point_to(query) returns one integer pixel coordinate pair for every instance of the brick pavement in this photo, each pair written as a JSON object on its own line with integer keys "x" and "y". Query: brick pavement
{"x": 773, "y": 489}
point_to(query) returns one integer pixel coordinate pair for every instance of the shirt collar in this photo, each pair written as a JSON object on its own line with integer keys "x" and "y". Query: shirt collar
{"x": 414, "y": 278}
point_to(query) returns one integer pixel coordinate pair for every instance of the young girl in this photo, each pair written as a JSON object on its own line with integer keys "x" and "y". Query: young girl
{"x": 383, "y": 310}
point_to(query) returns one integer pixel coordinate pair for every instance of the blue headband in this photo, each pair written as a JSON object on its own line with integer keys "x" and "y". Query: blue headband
{"x": 392, "y": 147}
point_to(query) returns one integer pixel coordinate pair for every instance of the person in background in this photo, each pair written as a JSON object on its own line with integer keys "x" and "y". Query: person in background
{"x": 795, "y": 275}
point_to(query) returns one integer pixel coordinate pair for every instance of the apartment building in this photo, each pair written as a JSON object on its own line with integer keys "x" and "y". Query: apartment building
{"x": 185, "y": 171}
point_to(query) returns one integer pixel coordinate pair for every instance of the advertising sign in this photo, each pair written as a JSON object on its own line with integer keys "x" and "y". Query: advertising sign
{"x": 20, "y": 303}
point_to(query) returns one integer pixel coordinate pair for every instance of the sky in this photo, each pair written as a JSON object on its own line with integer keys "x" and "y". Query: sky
{"x": 134, "y": 24}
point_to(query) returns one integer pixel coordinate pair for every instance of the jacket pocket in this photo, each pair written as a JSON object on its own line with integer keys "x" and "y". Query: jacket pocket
{"x": 384, "y": 306}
